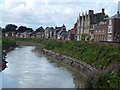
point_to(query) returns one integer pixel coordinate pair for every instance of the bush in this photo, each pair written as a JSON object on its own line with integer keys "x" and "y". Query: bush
{"x": 8, "y": 42}
{"x": 107, "y": 78}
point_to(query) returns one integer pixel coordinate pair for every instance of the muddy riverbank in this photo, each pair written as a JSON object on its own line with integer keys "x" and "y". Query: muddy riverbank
{"x": 3, "y": 62}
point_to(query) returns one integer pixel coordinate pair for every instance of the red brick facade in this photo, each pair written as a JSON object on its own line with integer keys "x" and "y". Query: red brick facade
{"x": 100, "y": 32}
{"x": 113, "y": 34}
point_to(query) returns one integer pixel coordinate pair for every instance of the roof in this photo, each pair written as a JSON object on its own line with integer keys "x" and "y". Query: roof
{"x": 60, "y": 31}
{"x": 98, "y": 13}
{"x": 116, "y": 16}
{"x": 102, "y": 23}
{"x": 39, "y": 33}
{"x": 64, "y": 33}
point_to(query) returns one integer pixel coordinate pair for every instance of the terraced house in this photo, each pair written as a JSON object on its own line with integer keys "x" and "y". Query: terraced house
{"x": 113, "y": 28}
{"x": 100, "y": 32}
{"x": 72, "y": 33}
{"x": 86, "y": 22}
{"x": 49, "y": 32}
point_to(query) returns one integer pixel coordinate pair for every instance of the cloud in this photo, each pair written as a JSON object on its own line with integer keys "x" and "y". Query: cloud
{"x": 34, "y": 13}
{"x": 110, "y": 7}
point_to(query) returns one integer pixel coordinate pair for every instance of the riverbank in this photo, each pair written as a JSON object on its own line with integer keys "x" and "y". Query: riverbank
{"x": 99, "y": 56}
{"x": 27, "y": 66}
{"x": 104, "y": 58}
{"x": 81, "y": 69}
{"x": 7, "y": 45}
{"x": 84, "y": 68}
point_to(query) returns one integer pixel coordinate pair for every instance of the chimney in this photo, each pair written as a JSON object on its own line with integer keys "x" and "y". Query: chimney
{"x": 103, "y": 10}
{"x": 118, "y": 7}
{"x": 91, "y": 12}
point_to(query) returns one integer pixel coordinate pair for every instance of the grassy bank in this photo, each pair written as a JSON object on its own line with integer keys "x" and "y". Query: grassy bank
{"x": 96, "y": 55}
{"x": 7, "y": 43}
{"x": 105, "y": 58}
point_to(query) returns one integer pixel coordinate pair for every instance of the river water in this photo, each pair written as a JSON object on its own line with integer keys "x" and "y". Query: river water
{"x": 29, "y": 69}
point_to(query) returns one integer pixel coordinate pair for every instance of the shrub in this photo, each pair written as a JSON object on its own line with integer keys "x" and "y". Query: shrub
{"x": 8, "y": 42}
{"x": 107, "y": 78}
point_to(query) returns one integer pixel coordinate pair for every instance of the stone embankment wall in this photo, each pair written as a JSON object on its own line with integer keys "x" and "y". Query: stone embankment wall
{"x": 79, "y": 65}
{"x": 84, "y": 68}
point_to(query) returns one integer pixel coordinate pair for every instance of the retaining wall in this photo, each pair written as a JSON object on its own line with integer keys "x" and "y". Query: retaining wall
{"x": 79, "y": 65}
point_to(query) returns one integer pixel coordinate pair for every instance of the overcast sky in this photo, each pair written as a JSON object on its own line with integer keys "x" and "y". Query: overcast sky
{"x": 36, "y": 13}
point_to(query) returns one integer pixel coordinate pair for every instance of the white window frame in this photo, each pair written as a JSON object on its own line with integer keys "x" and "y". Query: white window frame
{"x": 109, "y": 29}
{"x": 109, "y": 38}
{"x": 110, "y": 22}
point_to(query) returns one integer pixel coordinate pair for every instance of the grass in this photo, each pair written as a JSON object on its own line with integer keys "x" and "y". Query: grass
{"x": 8, "y": 42}
{"x": 96, "y": 55}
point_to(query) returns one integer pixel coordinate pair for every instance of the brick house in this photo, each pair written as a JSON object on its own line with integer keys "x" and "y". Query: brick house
{"x": 40, "y": 35}
{"x": 72, "y": 33}
{"x": 113, "y": 28}
{"x": 61, "y": 32}
{"x": 8, "y": 34}
{"x": 100, "y": 32}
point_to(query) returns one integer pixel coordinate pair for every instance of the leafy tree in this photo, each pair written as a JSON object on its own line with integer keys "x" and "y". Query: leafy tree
{"x": 84, "y": 36}
{"x": 0, "y": 28}
{"x": 40, "y": 29}
{"x": 25, "y": 29}
{"x": 106, "y": 16}
{"x": 52, "y": 28}
{"x": 47, "y": 28}
{"x": 10, "y": 27}
{"x": 3, "y": 30}
{"x": 21, "y": 29}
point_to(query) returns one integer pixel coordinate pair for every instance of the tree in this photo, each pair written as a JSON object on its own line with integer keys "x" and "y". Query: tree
{"x": 40, "y": 29}
{"x": 22, "y": 29}
{"x": 52, "y": 28}
{"x": 25, "y": 29}
{"x": 106, "y": 16}
{"x": 10, "y": 27}
{"x": 83, "y": 36}
{"x": 3, "y": 30}
{"x": 0, "y": 28}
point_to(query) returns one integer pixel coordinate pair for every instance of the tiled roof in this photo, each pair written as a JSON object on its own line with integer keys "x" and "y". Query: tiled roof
{"x": 116, "y": 16}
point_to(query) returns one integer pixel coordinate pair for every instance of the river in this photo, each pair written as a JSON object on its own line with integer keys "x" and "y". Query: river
{"x": 30, "y": 69}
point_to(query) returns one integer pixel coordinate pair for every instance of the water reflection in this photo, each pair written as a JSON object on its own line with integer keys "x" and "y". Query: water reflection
{"x": 28, "y": 69}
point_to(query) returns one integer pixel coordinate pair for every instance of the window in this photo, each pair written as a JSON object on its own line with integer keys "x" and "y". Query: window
{"x": 109, "y": 29}
{"x": 109, "y": 38}
{"x": 96, "y": 30}
{"x": 103, "y": 30}
{"x": 99, "y": 30}
{"x": 110, "y": 22}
